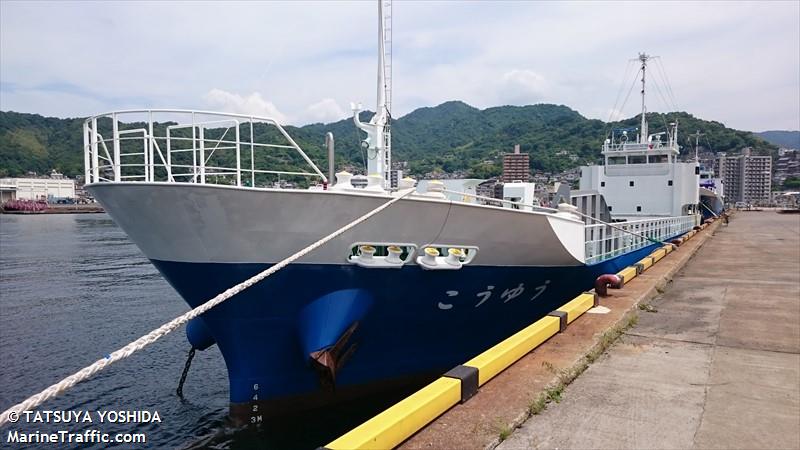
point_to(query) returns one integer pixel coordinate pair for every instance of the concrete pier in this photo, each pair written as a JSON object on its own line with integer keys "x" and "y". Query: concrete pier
{"x": 714, "y": 362}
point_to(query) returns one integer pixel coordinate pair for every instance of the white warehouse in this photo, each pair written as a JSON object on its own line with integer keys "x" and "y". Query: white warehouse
{"x": 38, "y": 188}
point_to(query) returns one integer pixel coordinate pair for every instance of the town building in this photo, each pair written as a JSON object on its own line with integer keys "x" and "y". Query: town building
{"x": 516, "y": 166}
{"x": 491, "y": 188}
{"x": 747, "y": 178}
{"x": 786, "y": 166}
{"x": 51, "y": 188}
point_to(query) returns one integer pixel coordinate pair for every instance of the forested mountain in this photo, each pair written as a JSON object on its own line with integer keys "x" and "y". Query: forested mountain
{"x": 781, "y": 138}
{"x": 450, "y": 137}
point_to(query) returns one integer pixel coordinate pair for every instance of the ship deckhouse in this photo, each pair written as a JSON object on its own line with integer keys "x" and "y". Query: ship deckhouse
{"x": 642, "y": 177}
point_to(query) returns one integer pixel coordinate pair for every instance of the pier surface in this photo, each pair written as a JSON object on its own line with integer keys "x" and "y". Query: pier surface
{"x": 716, "y": 365}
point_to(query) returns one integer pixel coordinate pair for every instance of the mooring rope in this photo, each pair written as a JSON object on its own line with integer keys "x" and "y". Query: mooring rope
{"x": 126, "y": 351}
{"x": 552, "y": 210}
{"x": 653, "y": 240}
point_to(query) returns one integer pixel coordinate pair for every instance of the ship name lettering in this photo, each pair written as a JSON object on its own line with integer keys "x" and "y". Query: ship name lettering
{"x": 485, "y": 294}
{"x": 512, "y": 293}
{"x": 540, "y": 289}
{"x": 446, "y": 306}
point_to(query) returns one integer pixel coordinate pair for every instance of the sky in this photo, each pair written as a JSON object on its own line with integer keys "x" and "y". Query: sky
{"x": 301, "y": 62}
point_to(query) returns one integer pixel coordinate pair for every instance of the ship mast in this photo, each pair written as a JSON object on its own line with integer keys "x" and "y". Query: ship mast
{"x": 379, "y": 140}
{"x": 643, "y": 57}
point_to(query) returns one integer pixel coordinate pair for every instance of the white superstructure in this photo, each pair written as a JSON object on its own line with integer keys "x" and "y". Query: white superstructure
{"x": 643, "y": 177}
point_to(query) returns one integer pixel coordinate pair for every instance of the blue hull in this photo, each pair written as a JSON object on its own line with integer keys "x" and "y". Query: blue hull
{"x": 411, "y": 322}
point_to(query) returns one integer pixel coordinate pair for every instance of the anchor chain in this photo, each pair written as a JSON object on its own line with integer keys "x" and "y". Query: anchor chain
{"x": 179, "y": 391}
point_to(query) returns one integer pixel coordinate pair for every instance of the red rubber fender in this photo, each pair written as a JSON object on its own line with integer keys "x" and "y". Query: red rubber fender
{"x": 676, "y": 242}
{"x": 603, "y": 282}
{"x": 697, "y": 228}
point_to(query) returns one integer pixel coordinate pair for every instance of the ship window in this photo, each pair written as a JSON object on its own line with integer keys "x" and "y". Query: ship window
{"x": 669, "y": 182}
{"x": 609, "y": 208}
{"x": 638, "y": 159}
{"x": 697, "y": 170}
{"x": 656, "y": 159}
{"x": 602, "y": 184}
{"x": 616, "y": 160}
{"x": 638, "y": 209}
{"x": 631, "y": 183}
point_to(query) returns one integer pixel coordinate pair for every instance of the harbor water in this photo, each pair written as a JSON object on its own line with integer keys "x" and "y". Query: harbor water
{"x": 74, "y": 288}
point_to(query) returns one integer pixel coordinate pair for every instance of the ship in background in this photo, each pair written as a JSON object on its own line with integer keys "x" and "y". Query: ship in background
{"x": 712, "y": 194}
{"x": 401, "y": 298}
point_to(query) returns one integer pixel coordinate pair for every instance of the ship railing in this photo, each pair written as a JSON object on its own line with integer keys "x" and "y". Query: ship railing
{"x": 624, "y": 146}
{"x": 188, "y": 146}
{"x": 605, "y": 242}
{"x": 466, "y": 197}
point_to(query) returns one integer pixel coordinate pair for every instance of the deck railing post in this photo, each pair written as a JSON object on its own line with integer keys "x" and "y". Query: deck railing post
{"x": 238, "y": 158}
{"x": 150, "y": 155}
{"x": 252, "y": 156}
{"x": 95, "y": 156}
{"x": 86, "y": 154}
{"x": 169, "y": 153}
{"x": 115, "y": 141}
{"x": 194, "y": 151}
{"x": 145, "y": 164}
{"x": 202, "y": 155}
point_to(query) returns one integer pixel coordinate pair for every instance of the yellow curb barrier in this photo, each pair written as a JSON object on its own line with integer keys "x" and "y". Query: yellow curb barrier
{"x": 496, "y": 359}
{"x": 398, "y": 423}
{"x": 627, "y": 274}
{"x": 645, "y": 263}
{"x": 577, "y": 306}
{"x": 658, "y": 254}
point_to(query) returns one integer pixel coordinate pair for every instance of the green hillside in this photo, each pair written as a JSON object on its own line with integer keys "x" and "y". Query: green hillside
{"x": 782, "y": 138}
{"x": 450, "y": 137}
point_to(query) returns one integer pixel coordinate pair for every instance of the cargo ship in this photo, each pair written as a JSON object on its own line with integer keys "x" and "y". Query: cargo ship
{"x": 404, "y": 296}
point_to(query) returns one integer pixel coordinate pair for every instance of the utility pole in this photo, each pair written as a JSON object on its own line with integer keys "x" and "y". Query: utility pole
{"x": 696, "y": 135}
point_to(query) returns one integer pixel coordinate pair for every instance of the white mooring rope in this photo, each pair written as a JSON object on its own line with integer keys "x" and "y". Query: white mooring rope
{"x": 89, "y": 371}
{"x": 553, "y": 210}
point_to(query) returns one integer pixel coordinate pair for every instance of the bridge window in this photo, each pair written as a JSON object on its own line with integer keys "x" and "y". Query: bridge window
{"x": 656, "y": 159}
{"x": 638, "y": 159}
{"x": 616, "y": 160}
{"x": 631, "y": 183}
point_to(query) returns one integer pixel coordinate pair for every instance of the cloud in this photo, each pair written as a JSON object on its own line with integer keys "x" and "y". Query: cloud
{"x": 522, "y": 86}
{"x": 325, "y": 111}
{"x": 253, "y": 104}
{"x": 734, "y": 62}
